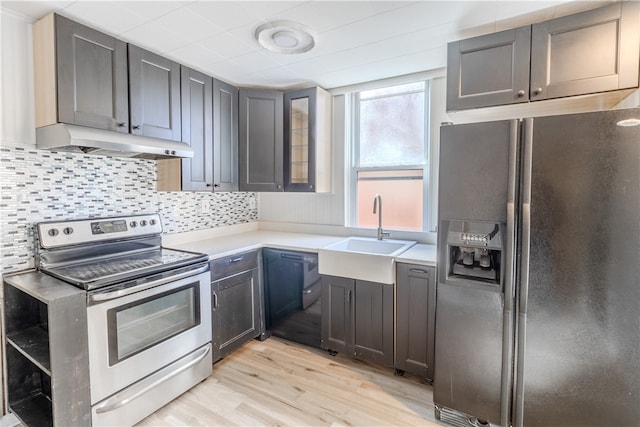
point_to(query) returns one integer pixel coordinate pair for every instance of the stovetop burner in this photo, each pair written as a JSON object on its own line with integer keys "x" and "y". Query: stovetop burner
{"x": 94, "y": 253}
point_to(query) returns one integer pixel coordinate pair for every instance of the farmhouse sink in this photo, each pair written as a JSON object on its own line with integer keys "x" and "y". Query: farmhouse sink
{"x": 362, "y": 258}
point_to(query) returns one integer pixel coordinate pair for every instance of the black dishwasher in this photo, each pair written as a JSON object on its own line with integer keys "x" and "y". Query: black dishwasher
{"x": 292, "y": 295}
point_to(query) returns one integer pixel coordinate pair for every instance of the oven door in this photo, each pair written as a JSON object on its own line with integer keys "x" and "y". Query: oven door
{"x": 136, "y": 331}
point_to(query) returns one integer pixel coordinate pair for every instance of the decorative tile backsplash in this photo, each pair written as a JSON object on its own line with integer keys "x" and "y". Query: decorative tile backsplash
{"x": 37, "y": 185}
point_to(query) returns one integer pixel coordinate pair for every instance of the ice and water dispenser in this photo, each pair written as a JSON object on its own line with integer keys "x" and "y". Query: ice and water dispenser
{"x": 475, "y": 252}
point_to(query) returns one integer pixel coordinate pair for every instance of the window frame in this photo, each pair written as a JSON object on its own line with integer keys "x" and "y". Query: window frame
{"x": 428, "y": 193}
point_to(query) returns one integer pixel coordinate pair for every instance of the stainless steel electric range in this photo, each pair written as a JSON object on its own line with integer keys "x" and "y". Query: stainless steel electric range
{"x": 148, "y": 311}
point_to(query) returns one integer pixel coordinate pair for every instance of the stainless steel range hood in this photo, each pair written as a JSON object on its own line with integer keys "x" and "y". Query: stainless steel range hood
{"x": 80, "y": 139}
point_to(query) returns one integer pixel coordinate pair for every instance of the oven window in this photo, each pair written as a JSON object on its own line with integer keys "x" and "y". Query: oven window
{"x": 142, "y": 324}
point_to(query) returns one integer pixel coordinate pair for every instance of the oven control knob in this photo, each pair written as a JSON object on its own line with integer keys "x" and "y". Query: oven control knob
{"x": 152, "y": 222}
{"x": 67, "y": 230}
{"x": 53, "y": 232}
{"x": 143, "y": 222}
{"x": 133, "y": 224}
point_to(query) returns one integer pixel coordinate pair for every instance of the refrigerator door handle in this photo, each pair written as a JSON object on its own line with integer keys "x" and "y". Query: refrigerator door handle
{"x": 523, "y": 271}
{"x": 509, "y": 282}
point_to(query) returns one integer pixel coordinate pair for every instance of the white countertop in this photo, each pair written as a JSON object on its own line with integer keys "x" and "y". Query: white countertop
{"x": 218, "y": 245}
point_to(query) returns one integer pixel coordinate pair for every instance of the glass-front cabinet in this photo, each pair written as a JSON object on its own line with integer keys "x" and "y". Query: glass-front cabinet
{"x": 307, "y": 140}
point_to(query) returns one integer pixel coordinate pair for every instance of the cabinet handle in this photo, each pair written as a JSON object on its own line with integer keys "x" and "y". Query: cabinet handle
{"x": 418, "y": 270}
{"x": 208, "y": 185}
{"x": 215, "y": 300}
{"x": 121, "y": 124}
{"x": 349, "y": 296}
{"x": 537, "y": 91}
{"x": 135, "y": 127}
{"x": 521, "y": 93}
{"x": 216, "y": 185}
{"x": 234, "y": 260}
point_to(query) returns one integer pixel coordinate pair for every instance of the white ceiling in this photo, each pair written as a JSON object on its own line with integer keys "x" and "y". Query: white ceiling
{"x": 357, "y": 41}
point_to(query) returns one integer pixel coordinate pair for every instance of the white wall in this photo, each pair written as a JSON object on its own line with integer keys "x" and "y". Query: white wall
{"x": 16, "y": 81}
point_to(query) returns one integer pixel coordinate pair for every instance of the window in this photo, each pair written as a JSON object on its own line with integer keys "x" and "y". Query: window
{"x": 390, "y": 153}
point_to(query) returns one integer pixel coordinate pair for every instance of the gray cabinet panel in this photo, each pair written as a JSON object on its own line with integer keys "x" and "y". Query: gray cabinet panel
{"x": 357, "y": 318}
{"x": 373, "y": 322}
{"x": 593, "y": 51}
{"x": 154, "y": 89}
{"x": 489, "y": 70}
{"x": 415, "y": 319}
{"x": 196, "y": 89}
{"x": 92, "y": 77}
{"x": 236, "y": 302}
{"x": 225, "y": 136}
{"x": 337, "y": 313}
{"x": 261, "y": 140}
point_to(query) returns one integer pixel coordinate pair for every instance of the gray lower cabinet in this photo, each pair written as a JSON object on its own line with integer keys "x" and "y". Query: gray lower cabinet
{"x": 237, "y": 302}
{"x": 80, "y": 76}
{"x": 261, "y": 142}
{"x": 47, "y": 362}
{"x": 357, "y": 318}
{"x": 154, "y": 95}
{"x": 415, "y": 319}
{"x": 197, "y": 119}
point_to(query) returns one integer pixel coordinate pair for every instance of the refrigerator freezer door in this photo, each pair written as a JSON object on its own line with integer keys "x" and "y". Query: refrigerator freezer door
{"x": 579, "y": 329}
{"x": 474, "y": 322}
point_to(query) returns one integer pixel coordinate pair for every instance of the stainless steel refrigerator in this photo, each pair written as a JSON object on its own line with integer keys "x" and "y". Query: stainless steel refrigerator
{"x": 538, "y": 292}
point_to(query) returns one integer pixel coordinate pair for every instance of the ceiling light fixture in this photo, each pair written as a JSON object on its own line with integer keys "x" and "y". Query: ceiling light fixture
{"x": 285, "y": 37}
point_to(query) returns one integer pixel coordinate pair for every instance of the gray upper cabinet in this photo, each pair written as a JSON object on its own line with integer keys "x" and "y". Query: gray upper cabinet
{"x": 593, "y": 51}
{"x": 489, "y": 70}
{"x": 260, "y": 140}
{"x": 154, "y": 95}
{"x": 590, "y": 52}
{"x": 225, "y": 136}
{"x": 197, "y": 118}
{"x": 80, "y": 76}
{"x": 307, "y": 140}
{"x": 415, "y": 319}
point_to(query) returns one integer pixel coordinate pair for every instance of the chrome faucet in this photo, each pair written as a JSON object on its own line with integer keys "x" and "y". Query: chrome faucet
{"x": 377, "y": 203}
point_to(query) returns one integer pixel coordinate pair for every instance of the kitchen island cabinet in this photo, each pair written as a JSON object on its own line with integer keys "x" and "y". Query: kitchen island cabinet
{"x": 237, "y": 302}
{"x": 589, "y": 52}
{"x": 415, "y": 319}
{"x": 357, "y": 318}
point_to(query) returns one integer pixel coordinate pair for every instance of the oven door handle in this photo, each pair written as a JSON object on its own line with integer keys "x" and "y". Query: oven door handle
{"x": 107, "y": 296}
{"x": 120, "y": 399}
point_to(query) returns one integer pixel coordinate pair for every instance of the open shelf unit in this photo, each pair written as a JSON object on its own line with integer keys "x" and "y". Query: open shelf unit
{"x": 46, "y": 351}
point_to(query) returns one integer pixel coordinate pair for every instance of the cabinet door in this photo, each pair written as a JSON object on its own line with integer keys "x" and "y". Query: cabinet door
{"x": 415, "y": 319}
{"x": 236, "y": 312}
{"x": 588, "y": 52}
{"x": 337, "y": 313}
{"x": 489, "y": 70}
{"x": 373, "y": 322}
{"x": 225, "y": 136}
{"x": 196, "y": 88}
{"x": 92, "y": 77}
{"x": 261, "y": 144}
{"x": 154, "y": 91}
{"x": 299, "y": 140}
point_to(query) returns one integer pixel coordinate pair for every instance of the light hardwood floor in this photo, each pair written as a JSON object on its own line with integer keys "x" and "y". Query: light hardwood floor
{"x": 280, "y": 383}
